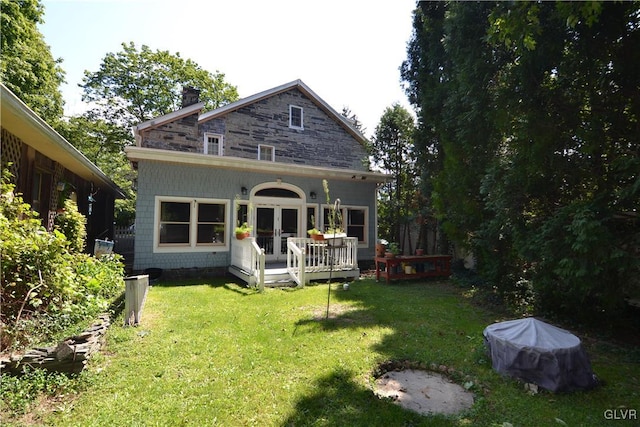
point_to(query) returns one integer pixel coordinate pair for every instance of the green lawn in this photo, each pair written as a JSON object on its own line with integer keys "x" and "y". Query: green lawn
{"x": 215, "y": 353}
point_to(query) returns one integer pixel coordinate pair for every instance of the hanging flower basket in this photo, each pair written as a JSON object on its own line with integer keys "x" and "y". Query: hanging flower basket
{"x": 335, "y": 239}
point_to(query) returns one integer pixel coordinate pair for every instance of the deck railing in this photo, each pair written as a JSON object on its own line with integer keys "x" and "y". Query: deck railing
{"x": 248, "y": 256}
{"x": 296, "y": 262}
{"x": 321, "y": 255}
{"x": 258, "y": 262}
{"x": 304, "y": 257}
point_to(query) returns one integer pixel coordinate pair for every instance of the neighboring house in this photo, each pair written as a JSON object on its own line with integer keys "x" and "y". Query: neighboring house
{"x": 47, "y": 169}
{"x": 259, "y": 160}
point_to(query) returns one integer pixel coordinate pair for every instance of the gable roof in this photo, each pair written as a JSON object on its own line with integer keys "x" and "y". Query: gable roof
{"x": 159, "y": 121}
{"x": 296, "y": 84}
{"x": 18, "y": 119}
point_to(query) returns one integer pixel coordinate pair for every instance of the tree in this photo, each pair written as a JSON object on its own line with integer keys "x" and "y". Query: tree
{"x": 103, "y": 144}
{"x": 528, "y": 115}
{"x": 27, "y": 67}
{"x": 571, "y": 105}
{"x": 134, "y": 86}
{"x": 392, "y": 151}
{"x": 130, "y": 87}
{"x": 450, "y": 85}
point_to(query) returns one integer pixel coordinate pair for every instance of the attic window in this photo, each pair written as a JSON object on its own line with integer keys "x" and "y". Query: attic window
{"x": 213, "y": 144}
{"x": 266, "y": 152}
{"x": 296, "y": 117}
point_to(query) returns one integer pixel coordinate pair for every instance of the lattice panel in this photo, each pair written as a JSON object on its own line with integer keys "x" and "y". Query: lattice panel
{"x": 55, "y": 193}
{"x": 51, "y": 218}
{"x": 10, "y": 152}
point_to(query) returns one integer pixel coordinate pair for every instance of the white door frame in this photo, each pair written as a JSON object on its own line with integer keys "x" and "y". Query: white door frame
{"x": 278, "y": 204}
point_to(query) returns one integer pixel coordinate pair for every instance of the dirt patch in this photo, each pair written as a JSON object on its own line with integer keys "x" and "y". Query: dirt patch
{"x": 424, "y": 392}
{"x": 336, "y": 311}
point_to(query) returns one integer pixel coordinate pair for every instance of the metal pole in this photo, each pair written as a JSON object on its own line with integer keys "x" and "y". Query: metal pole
{"x": 336, "y": 206}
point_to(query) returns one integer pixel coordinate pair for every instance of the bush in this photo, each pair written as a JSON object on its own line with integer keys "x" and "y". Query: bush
{"x": 72, "y": 224}
{"x": 47, "y": 283}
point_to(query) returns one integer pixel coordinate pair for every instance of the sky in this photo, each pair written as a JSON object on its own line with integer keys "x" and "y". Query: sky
{"x": 348, "y": 52}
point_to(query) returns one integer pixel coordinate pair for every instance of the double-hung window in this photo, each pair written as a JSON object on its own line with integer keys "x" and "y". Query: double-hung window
{"x": 213, "y": 144}
{"x": 354, "y": 221}
{"x": 296, "y": 117}
{"x": 187, "y": 224}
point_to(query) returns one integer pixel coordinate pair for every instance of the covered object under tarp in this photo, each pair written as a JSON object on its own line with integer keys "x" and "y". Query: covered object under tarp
{"x": 539, "y": 353}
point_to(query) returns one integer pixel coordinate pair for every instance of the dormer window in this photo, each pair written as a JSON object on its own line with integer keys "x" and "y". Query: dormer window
{"x": 296, "y": 117}
{"x": 213, "y": 144}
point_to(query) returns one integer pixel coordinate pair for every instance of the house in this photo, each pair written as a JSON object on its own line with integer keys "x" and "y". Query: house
{"x": 47, "y": 169}
{"x": 260, "y": 160}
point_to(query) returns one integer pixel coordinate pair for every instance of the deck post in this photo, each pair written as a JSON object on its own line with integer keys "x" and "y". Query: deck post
{"x": 261, "y": 274}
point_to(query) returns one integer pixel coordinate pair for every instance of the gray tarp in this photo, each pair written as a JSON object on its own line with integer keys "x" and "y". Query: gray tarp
{"x": 539, "y": 353}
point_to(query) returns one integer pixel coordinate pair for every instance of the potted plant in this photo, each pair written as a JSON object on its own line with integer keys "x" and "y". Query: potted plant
{"x": 392, "y": 250}
{"x": 381, "y": 247}
{"x": 243, "y": 212}
{"x": 243, "y": 230}
{"x": 315, "y": 234}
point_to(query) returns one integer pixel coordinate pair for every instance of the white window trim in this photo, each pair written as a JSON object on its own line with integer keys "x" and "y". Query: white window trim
{"x": 301, "y": 127}
{"x": 313, "y": 206}
{"x": 236, "y": 219}
{"x": 220, "y": 144}
{"x": 193, "y": 246}
{"x": 344, "y": 212}
{"x": 273, "y": 152}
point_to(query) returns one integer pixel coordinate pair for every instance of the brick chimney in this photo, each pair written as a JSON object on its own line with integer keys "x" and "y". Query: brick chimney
{"x": 190, "y": 96}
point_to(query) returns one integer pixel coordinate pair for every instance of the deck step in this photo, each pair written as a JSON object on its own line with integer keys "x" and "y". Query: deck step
{"x": 280, "y": 277}
{"x": 280, "y": 283}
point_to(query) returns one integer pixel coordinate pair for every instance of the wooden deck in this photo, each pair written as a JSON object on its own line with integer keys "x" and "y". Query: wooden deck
{"x": 307, "y": 260}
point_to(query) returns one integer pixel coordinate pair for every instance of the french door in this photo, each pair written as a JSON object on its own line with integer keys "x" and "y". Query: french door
{"x": 274, "y": 223}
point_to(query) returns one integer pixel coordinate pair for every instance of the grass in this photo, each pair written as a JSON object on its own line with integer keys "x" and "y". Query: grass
{"x": 215, "y": 353}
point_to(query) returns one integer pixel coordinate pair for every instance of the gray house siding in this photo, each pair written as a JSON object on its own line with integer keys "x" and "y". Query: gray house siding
{"x": 322, "y": 142}
{"x": 166, "y": 179}
{"x": 179, "y": 135}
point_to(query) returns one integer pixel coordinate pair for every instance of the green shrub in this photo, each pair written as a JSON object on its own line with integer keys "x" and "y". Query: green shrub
{"x": 72, "y": 224}
{"x": 36, "y": 265}
{"x": 98, "y": 281}
{"x": 47, "y": 283}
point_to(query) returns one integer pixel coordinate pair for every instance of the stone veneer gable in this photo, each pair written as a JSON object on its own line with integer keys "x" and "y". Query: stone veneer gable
{"x": 178, "y": 135}
{"x": 323, "y": 141}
